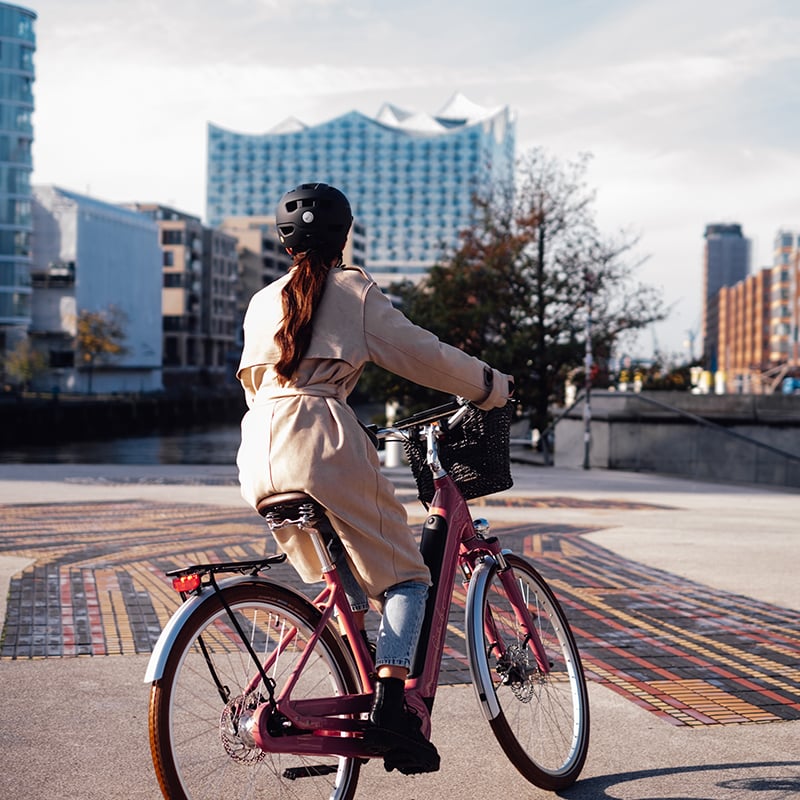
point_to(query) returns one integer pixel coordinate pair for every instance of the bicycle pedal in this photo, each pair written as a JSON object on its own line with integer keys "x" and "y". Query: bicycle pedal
{"x": 293, "y": 773}
{"x": 406, "y": 764}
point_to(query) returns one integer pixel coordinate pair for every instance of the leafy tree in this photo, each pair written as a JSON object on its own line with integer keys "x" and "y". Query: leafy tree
{"x": 99, "y": 337}
{"x": 24, "y": 363}
{"x": 527, "y": 276}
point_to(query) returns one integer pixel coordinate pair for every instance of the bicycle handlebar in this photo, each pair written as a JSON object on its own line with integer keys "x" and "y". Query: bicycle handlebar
{"x": 431, "y": 414}
{"x": 439, "y": 412}
{"x": 455, "y": 410}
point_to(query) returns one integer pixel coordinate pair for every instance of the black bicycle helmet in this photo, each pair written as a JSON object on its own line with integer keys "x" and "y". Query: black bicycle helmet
{"x": 311, "y": 216}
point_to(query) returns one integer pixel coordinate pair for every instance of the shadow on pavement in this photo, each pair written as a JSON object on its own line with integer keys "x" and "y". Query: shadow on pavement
{"x": 771, "y": 787}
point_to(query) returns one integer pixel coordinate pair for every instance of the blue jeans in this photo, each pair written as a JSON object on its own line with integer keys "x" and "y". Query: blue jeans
{"x": 403, "y": 611}
{"x": 356, "y": 596}
{"x": 403, "y": 614}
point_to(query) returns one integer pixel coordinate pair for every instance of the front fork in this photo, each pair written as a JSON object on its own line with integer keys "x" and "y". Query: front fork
{"x": 478, "y": 547}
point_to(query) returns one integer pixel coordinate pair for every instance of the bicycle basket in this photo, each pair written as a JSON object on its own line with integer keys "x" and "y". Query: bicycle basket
{"x": 475, "y": 454}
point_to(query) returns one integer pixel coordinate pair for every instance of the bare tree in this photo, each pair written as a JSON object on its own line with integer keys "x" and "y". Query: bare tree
{"x": 517, "y": 290}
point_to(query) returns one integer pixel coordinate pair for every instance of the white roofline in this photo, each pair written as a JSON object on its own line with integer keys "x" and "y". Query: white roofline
{"x": 458, "y": 111}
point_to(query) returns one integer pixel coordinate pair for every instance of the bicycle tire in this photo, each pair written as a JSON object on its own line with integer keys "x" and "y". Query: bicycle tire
{"x": 196, "y": 751}
{"x": 540, "y": 721}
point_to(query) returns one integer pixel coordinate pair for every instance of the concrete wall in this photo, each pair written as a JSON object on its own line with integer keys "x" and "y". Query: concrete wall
{"x": 628, "y": 433}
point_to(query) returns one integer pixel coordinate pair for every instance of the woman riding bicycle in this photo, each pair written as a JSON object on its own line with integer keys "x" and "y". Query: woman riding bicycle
{"x": 307, "y": 338}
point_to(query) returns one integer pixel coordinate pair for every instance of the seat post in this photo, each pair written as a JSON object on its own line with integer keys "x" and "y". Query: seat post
{"x": 322, "y": 551}
{"x": 302, "y": 511}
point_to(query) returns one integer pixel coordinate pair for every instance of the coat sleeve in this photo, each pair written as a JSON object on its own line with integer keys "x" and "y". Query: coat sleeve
{"x": 396, "y": 344}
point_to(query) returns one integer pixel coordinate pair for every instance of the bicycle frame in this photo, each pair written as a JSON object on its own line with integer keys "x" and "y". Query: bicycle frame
{"x": 465, "y": 547}
{"x": 450, "y": 540}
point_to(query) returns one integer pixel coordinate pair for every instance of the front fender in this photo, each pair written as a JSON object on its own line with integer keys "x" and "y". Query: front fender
{"x": 166, "y": 640}
{"x": 481, "y": 677}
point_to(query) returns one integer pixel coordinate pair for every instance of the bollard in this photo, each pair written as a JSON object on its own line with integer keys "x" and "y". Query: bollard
{"x": 393, "y": 451}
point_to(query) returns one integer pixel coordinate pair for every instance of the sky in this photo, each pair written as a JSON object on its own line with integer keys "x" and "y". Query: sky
{"x": 690, "y": 109}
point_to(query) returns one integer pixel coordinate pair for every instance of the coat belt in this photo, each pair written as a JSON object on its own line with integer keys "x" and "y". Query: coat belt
{"x": 266, "y": 394}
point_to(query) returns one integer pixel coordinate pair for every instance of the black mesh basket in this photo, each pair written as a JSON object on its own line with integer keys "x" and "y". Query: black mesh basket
{"x": 475, "y": 454}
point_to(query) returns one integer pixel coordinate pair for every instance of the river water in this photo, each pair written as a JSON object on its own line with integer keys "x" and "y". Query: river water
{"x": 206, "y": 445}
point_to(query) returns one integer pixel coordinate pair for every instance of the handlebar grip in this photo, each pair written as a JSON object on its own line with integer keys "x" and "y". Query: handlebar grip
{"x": 371, "y": 431}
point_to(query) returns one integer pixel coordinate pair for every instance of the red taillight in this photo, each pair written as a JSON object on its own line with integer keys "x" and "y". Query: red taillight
{"x": 186, "y": 583}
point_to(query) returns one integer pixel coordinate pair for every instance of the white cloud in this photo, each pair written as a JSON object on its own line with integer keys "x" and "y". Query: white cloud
{"x": 690, "y": 109}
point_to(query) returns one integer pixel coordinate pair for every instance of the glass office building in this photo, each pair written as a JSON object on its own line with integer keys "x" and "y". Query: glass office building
{"x": 17, "y": 45}
{"x": 410, "y": 177}
{"x": 726, "y": 262}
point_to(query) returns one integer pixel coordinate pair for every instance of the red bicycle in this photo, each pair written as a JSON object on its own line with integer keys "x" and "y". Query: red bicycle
{"x": 254, "y": 692}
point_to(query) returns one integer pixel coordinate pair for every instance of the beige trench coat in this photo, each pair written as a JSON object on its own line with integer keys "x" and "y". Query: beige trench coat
{"x": 304, "y": 437}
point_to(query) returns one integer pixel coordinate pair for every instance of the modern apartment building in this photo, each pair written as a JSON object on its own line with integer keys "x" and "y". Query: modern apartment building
{"x": 410, "y": 177}
{"x": 90, "y": 256}
{"x": 726, "y": 262}
{"x": 758, "y": 319}
{"x": 198, "y": 298}
{"x": 219, "y": 306}
{"x": 262, "y": 258}
{"x": 17, "y": 47}
{"x": 785, "y": 298}
{"x": 744, "y": 332}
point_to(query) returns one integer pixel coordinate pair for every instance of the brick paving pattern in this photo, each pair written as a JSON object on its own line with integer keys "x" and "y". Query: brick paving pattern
{"x": 690, "y": 654}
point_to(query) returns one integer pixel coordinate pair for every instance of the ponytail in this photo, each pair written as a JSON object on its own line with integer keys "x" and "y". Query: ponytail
{"x": 301, "y": 297}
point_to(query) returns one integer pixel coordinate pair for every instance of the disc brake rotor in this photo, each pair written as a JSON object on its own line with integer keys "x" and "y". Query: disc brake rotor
{"x": 235, "y": 728}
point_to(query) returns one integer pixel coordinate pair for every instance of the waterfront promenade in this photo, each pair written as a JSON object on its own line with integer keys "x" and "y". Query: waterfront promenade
{"x": 684, "y": 597}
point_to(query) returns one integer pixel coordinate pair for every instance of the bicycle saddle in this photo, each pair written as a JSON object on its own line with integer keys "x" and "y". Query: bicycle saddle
{"x": 287, "y": 504}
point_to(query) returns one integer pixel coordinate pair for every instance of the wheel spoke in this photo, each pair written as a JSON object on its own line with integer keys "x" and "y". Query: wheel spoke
{"x": 543, "y": 724}
{"x": 202, "y": 746}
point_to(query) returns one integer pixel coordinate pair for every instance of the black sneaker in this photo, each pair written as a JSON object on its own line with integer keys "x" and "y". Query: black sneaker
{"x": 396, "y": 733}
{"x": 405, "y": 750}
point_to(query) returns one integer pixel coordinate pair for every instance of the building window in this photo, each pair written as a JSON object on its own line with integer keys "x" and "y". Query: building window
{"x": 173, "y": 280}
{"x": 60, "y": 359}
{"x": 172, "y": 237}
{"x": 171, "y": 351}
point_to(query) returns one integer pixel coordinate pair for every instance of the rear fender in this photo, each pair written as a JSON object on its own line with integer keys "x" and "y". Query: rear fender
{"x": 171, "y": 631}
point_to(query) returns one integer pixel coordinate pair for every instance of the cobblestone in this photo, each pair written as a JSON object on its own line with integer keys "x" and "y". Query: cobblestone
{"x": 689, "y": 654}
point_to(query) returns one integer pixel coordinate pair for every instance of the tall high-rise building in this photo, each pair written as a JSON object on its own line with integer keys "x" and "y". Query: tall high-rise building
{"x": 726, "y": 262}
{"x": 17, "y": 46}
{"x": 410, "y": 177}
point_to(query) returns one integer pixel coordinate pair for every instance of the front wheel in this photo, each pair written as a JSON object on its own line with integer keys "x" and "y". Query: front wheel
{"x": 198, "y": 707}
{"x": 541, "y": 720}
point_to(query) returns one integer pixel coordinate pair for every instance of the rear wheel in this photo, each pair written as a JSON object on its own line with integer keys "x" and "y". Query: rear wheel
{"x": 199, "y": 746}
{"x": 540, "y": 720}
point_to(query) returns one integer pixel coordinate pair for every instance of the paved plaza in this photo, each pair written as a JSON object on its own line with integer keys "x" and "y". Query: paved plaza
{"x": 684, "y": 598}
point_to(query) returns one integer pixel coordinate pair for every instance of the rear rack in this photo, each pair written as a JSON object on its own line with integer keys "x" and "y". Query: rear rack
{"x": 241, "y": 567}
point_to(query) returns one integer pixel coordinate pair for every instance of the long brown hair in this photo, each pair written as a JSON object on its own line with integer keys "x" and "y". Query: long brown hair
{"x": 301, "y": 297}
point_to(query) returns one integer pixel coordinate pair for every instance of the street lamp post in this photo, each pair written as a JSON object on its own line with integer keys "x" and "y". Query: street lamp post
{"x": 587, "y": 403}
